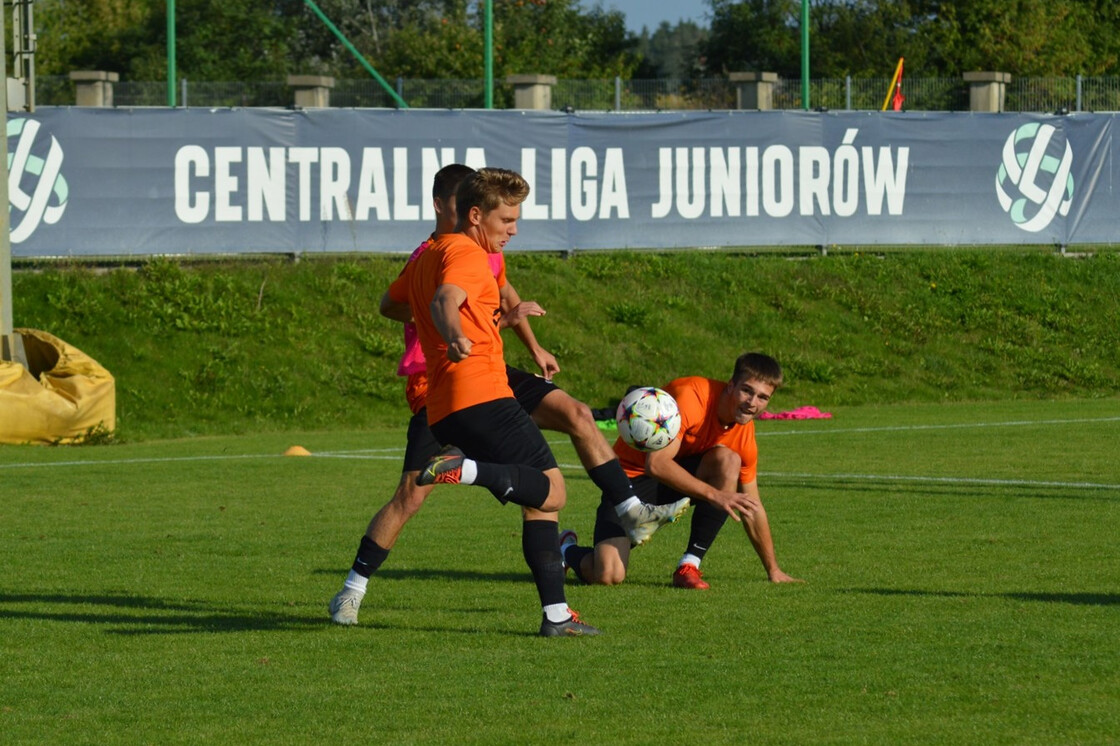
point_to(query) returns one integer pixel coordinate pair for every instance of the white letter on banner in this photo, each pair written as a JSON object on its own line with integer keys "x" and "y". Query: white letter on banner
{"x": 559, "y": 184}
{"x": 585, "y": 189}
{"x": 265, "y": 183}
{"x": 665, "y": 182}
{"x": 402, "y": 210}
{"x": 815, "y": 175}
{"x": 530, "y": 210}
{"x": 475, "y": 158}
{"x": 373, "y": 191}
{"x": 690, "y": 208}
{"x": 845, "y": 177}
{"x": 188, "y": 158}
{"x": 431, "y": 161}
{"x": 334, "y": 181}
{"x": 725, "y": 182}
{"x": 303, "y": 158}
{"x": 884, "y": 180}
{"x": 614, "y": 185}
{"x": 777, "y": 181}
{"x": 750, "y": 181}
{"x": 225, "y": 185}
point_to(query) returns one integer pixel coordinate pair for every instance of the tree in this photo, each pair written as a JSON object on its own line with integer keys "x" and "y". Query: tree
{"x": 672, "y": 51}
{"x": 216, "y": 39}
{"x": 1032, "y": 38}
{"x": 87, "y": 34}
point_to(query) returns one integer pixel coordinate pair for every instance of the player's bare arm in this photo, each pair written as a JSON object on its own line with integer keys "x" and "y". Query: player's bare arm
{"x": 661, "y": 466}
{"x": 523, "y": 310}
{"x": 512, "y": 304}
{"x": 445, "y": 315}
{"x": 391, "y": 309}
{"x": 757, "y": 526}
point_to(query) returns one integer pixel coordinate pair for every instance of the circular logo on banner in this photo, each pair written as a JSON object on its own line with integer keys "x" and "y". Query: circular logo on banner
{"x": 1034, "y": 183}
{"x": 37, "y": 190}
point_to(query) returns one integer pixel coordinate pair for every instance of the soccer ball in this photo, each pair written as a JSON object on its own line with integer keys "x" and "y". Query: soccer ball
{"x": 648, "y": 418}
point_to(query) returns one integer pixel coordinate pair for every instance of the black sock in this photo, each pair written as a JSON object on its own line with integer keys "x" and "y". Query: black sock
{"x": 706, "y": 523}
{"x": 514, "y": 483}
{"x": 370, "y": 556}
{"x": 612, "y": 480}
{"x": 540, "y": 543}
{"x": 574, "y": 558}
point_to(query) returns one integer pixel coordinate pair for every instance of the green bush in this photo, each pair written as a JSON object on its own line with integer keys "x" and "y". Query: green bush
{"x": 211, "y": 347}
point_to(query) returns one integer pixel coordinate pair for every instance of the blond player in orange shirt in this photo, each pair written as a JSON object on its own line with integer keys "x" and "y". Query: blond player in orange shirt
{"x": 713, "y": 461}
{"x": 549, "y": 406}
{"x": 456, "y": 305}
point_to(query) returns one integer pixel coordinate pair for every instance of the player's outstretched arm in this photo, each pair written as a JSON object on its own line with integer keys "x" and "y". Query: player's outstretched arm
{"x": 519, "y": 312}
{"x": 757, "y": 526}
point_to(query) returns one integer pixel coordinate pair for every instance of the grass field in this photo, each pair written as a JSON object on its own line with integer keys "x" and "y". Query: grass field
{"x": 963, "y": 586}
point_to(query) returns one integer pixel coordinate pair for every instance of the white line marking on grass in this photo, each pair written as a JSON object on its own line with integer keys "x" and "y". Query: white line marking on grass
{"x": 153, "y": 460}
{"x": 173, "y": 459}
{"x": 946, "y": 480}
{"x": 959, "y": 426}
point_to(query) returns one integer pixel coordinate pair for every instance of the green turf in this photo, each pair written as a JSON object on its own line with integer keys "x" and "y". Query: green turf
{"x": 962, "y": 588}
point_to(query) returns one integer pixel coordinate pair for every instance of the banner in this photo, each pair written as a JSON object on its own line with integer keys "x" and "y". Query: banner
{"x": 86, "y": 182}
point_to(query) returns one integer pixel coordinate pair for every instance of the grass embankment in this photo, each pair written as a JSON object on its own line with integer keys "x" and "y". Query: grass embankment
{"x": 268, "y": 344}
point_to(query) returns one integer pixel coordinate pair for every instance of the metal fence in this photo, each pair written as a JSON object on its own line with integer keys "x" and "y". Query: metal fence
{"x": 840, "y": 94}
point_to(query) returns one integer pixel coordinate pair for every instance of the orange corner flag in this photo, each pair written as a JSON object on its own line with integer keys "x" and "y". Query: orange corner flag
{"x": 894, "y": 97}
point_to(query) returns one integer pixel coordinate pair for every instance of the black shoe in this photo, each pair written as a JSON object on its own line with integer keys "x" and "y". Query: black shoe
{"x": 571, "y": 628}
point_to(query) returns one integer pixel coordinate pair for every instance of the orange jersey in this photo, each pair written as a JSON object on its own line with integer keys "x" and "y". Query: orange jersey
{"x": 698, "y": 400}
{"x": 455, "y": 259}
{"x": 412, "y": 362}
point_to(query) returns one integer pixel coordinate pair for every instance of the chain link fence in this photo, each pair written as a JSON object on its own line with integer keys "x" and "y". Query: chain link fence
{"x": 1096, "y": 94}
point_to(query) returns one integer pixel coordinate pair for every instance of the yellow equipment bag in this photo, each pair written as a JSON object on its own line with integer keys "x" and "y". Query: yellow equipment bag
{"x": 61, "y": 396}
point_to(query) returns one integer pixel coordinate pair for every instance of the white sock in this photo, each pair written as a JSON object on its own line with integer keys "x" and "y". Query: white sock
{"x": 626, "y": 504}
{"x": 470, "y": 471}
{"x": 356, "y": 582}
{"x": 557, "y": 612}
{"x": 690, "y": 559}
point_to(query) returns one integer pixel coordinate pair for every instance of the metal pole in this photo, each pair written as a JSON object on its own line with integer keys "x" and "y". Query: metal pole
{"x": 7, "y": 340}
{"x": 805, "y": 55}
{"x": 488, "y": 53}
{"x": 357, "y": 55}
{"x": 171, "y": 74}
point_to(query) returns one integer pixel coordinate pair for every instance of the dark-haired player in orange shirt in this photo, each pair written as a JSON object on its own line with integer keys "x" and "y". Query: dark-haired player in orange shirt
{"x": 456, "y": 306}
{"x": 713, "y": 461}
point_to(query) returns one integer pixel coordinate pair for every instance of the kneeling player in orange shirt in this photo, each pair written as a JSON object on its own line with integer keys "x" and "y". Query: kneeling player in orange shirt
{"x": 713, "y": 461}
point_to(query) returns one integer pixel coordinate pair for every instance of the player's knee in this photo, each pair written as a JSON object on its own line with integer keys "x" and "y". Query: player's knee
{"x": 723, "y": 460}
{"x": 557, "y": 492}
{"x": 573, "y": 417}
{"x": 610, "y": 575}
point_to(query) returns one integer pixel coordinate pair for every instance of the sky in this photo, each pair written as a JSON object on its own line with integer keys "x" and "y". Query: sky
{"x": 651, "y": 13}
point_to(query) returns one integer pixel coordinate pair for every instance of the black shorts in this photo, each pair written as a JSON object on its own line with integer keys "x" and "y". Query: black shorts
{"x": 421, "y": 444}
{"x": 528, "y": 389}
{"x": 498, "y": 432}
{"x": 648, "y": 490}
